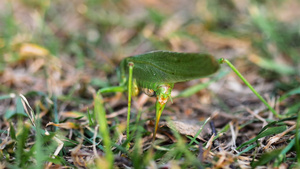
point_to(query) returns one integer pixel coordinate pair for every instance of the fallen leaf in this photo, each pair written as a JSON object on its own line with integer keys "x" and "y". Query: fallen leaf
{"x": 66, "y": 125}
{"x": 189, "y": 128}
{"x": 32, "y": 50}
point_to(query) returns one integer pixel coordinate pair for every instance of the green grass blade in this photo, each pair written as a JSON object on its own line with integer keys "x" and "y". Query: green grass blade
{"x": 290, "y": 93}
{"x": 56, "y": 120}
{"x": 21, "y": 157}
{"x": 247, "y": 149}
{"x": 272, "y": 65}
{"x": 12, "y": 131}
{"x": 266, "y": 158}
{"x": 39, "y": 155}
{"x": 8, "y": 96}
{"x": 293, "y": 109}
{"x": 20, "y": 109}
{"x": 264, "y": 133}
{"x": 90, "y": 119}
{"x": 286, "y": 150}
{"x": 103, "y": 128}
{"x": 137, "y": 153}
{"x": 181, "y": 150}
{"x": 199, "y": 131}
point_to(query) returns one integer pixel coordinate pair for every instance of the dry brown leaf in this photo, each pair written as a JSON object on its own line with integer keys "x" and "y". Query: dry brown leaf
{"x": 208, "y": 147}
{"x": 2, "y": 165}
{"x": 66, "y": 125}
{"x": 188, "y": 128}
{"x": 73, "y": 114}
{"x": 225, "y": 159}
{"x": 32, "y": 50}
{"x": 278, "y": 136}
{"x": 82, "y": 157}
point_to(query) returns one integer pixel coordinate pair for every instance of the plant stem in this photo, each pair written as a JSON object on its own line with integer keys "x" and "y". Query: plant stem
{"x": 130, "y": 64}
{"x": 222, "y": 60}
{"x": 103, "y": 129}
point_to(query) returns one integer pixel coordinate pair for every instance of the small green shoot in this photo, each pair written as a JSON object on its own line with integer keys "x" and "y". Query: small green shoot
{"x": 103, "y": 128}
{"x": 199, "y": 131}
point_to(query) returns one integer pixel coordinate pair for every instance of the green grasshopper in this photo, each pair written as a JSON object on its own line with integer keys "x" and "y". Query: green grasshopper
{"x": 155, "y": 74}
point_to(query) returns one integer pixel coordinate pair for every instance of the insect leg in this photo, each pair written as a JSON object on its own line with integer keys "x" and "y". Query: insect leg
{"x": 250, "y": 86}
{"x": 130, "y": 64}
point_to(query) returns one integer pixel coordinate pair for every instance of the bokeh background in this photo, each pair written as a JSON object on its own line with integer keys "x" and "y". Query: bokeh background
{"x": 60, "y": 50}
{"x": 89, "y": 38}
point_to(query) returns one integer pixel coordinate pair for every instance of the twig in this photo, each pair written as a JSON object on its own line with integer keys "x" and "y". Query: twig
{"x": 257, "y": 116}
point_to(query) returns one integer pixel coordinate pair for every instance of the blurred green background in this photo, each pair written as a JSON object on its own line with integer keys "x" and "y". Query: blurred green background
{"x": 55, "y": 51}
{"x": 93, "y": 36}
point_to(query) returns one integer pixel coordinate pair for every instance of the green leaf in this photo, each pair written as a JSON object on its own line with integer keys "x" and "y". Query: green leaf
{"x": 8, "y": 96}
{"x": 293, "y": 109}
{"x": 271, "y": 131}
{"x": 162, "y": 67}
{"x": 290, "y": 93}
{"x": 100, "y": 116}
{"x": 264, "y": 133}
{"x": 199, "y": 131}
{"x": 21, "y": 156}
{"x": 272, "y": 65}
{"x": 20, "y": 108}
{"x": 9, "y": 113}
{"x": 247, "y": 149}
{"x": 99, "y": 82}
{"x": 286, "y": 149}
{"x": 266, "y": 158}
{"x": 12, "y": 131}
